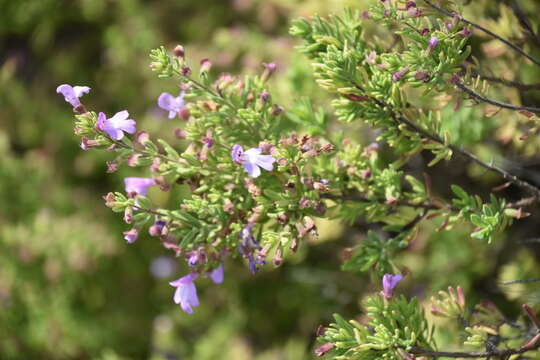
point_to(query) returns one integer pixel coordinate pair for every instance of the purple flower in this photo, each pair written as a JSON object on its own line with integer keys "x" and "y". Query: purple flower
{"x": 217, "y": 274}
{"x": 157, "y": 228}
{"x": 186, "y": 292}
{"x": 389, "y": 283}
{"x": 252, "y": 160}
{"x": 72, "y": 93}
{"x": 131, "y": 235}
{"x": 433, "y": 41}
{"x": 116, "y": 125}
{"x": 172, "y": 104}
{"x": 247, "y": 245}
{"x": 138, "y": 185}
{"x": 253, "y": 262}
{"x": 193, "y": 259}
{"x": 247, "y": 241}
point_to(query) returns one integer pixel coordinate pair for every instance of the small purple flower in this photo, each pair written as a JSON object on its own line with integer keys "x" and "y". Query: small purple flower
{"x": 193, "y": 259}
{"x": 186, "y": 292}
{"x": 209, "y": 142}
{"x": 116, "y": 125}
{"x": 217, "y": 274}
{"x": 389, "y": 283}
{"x": 252, "y": 159}
{"x": 157, "y": 228}
{"x": 138, "y": 185}
{"x": 172, "y": 104}
{"x": 433, "y": 41}
{"x": 247, "y": 241}
{"x": 72, "y": 93}
{"x": 131, "y": 235}
{"x": 247, "y": 245}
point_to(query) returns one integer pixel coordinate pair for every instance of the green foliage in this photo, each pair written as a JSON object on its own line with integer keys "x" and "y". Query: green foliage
{"x": 375, "y": 254}
{"x": 488, "y": 218}
{"x": 392, "y": 328}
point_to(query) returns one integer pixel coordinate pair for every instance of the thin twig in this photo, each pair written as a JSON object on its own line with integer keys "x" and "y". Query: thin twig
{"x": 481, "y": 28}
{"x": 482, "y": 98}
{"x": 518, "y": 281}
{"x": 520, "y": 15}
{"x": 400, "y": 119}
{"x": 510, "y": 83}
{"x": 532, "y": 344}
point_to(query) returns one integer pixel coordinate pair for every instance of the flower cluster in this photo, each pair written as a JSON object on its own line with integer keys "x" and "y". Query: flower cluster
{"x": 255, "y": 204}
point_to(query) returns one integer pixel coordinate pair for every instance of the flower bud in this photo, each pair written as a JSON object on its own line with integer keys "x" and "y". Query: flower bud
{"x": 178, "y": 51}
{"x": 320, "y": 187}
{"x": 433, "y": 42}
{"x": 278, "y": 259}
{"x": 156, "y": 162}
{"x": 112, "y": 166}
{"x": 466, "y": 32}
{"x": 322, "y": 350}
{"x": 422, "y": 76}
{"x": 158, "y": 228}
{"x": 131, "y": 235}
{"x": 186, "y": 71}
{"x": 269, "y": 69}
{"x": 79, "y": 109}
{"x": 142, "y": 137}
{"x": 398, "y": 75}
{"x": 110, "y": 200}
{"x": 133, "y": 159}
{"x": 304, "y": 202}
{"x": 88, "y": 143}
{"x": 265, "y": 96}
{"x": 128, "y": 215}
{"x": 206, "y": 65}
{"x": 179, "y": 133}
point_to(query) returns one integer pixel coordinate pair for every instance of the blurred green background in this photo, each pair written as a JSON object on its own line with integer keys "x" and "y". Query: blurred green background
{"x": 70, "y": 286}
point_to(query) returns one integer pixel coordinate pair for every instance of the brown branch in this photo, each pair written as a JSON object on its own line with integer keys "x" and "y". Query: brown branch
{"x": 510, "y": 83}
{"x": 525, "y": 24}
{"x": 532, "y": 344}
{"x": 482, "y": 98}
{"x": 483, "y": 29}
{"x": 400, "y": 119}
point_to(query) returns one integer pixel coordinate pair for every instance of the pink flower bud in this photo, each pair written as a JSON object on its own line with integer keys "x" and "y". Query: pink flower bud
{"x": 178, "y": 51}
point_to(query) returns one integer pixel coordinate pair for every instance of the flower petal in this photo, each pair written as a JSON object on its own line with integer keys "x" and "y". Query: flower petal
{"x": 119, "y": 117}
{"x": 128, "y": 126}
{"x": 253, "y": 151}
{"x": 236, "y": 153}
{"x": 102, "y": 118}
{"x": 166, "y": 101}
{"x": 217, "y": 275}
{"x": 69, "y": 94}
{"x": 266, "y": 161}
{"x": 81, "y": 90}
{"x": 252, "y": 169}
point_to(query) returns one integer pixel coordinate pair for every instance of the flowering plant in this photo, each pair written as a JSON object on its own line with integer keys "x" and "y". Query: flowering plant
{"x": 257, "y": 187}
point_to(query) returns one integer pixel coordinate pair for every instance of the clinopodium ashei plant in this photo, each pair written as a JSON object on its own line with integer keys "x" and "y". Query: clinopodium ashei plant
{"x": 257, "y": 188}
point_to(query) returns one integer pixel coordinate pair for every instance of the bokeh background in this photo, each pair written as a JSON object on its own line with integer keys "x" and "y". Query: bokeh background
{"x": 70, "y": 286}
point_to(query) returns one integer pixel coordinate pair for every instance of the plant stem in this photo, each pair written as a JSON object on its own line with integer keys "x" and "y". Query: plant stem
{"x": 483, "y": 29}
{"x": 482, "y": 98}
{"x": 400, "y": 119}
